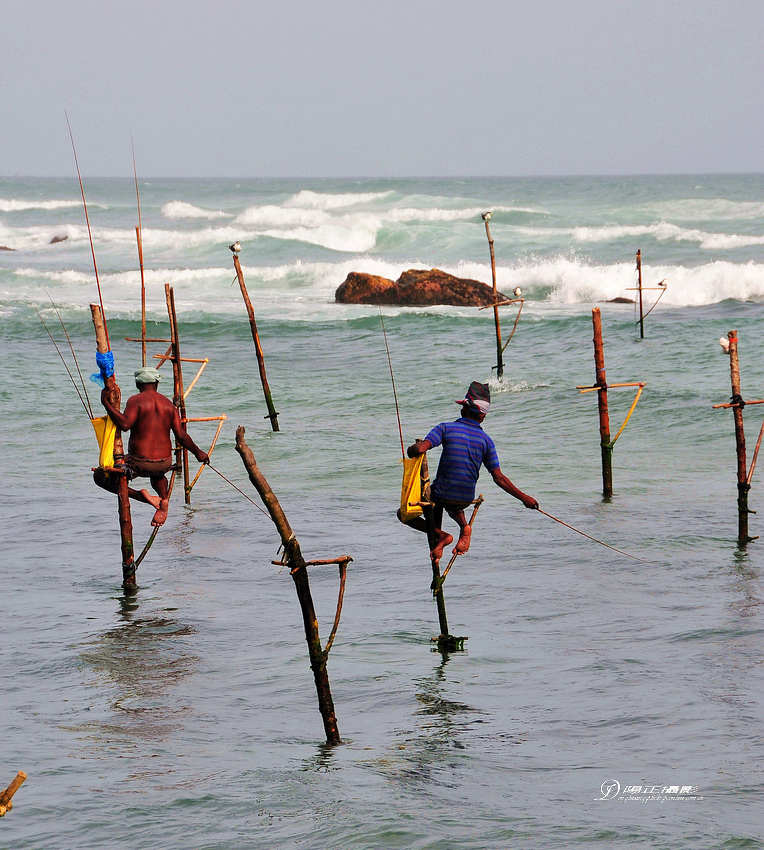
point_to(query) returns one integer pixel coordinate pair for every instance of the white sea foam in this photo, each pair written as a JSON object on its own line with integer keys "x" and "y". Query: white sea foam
{"x": 664, "y": 231}
{"x": 706, "y": 209}
{"x": 321, "y": 201}
{"x": 273, "y": 216}
{"x": 180, "y": 209}
{"x": 14, "y": 205}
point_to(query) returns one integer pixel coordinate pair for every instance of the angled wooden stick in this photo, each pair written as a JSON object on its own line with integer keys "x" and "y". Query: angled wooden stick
{"x": 298, "y": 569}
{"x": 5, "y": 798}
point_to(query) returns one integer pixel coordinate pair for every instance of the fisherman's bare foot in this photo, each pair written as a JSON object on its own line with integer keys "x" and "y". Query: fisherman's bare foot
{"x": 151, "y": 499}
{"x": 160, "y": 517}
{"x": 463, "y": 544}
{"x": 444, "y": 538}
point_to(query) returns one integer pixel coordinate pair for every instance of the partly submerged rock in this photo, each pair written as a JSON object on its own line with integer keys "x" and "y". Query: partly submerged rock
{"x": 57, "y": 239}
{"x": 6, "y": 248}
{"x": 619, "y": 300}
{"x": 415, "y": 288}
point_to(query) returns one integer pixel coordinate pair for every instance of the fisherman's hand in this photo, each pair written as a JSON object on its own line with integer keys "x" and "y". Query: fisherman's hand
{"x": 530, "y": 502}
{"x": 105, "y": 396}
{"x": 204, "y": 458}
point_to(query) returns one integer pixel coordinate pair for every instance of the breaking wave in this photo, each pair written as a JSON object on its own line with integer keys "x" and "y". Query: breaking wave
{"x": 180, "y": 209}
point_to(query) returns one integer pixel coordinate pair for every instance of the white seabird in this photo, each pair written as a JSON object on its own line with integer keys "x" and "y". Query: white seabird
{"x": 236, "y": 247}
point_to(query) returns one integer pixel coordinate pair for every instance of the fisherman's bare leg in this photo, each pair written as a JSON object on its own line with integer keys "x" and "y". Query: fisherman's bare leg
{"x": 465, "y": 531}
{"x": 110, "y": 483}
{"x": 159, "y": 483}
{"x": 442, "y": 538}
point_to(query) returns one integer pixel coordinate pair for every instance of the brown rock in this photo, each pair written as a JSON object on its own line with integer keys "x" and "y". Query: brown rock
{"x": 361, "y": 288}
{"x": 6, "y": 248}
{"x": 57, "y": 239}
{"x": 415, "y": 288}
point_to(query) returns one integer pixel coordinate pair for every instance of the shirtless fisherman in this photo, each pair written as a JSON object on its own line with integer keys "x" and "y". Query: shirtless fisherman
{"x": 465, "y": 448}
{"x": 149, "y": 417}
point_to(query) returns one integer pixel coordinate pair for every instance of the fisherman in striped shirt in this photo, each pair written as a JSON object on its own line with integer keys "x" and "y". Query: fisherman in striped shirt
{"x": 465, "y": 448}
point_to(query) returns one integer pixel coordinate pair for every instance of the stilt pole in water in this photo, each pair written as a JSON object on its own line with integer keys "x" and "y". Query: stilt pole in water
{"x": 742, "y": 475}
{"x": 179, "y": 396}
{"x": 125, "y": 519}
{"x": 499, "y": 347}
{"x": 639, "y": 287}
{"x": 600, "y": 380}
{"x": 298, "y": 568}
{"x": 272, "y": 413}
{"x": 446, "y": 641}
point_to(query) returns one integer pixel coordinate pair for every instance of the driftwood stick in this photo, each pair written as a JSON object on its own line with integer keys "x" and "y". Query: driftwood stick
{"x": 5, "y": 798}
{"x": 294, "y": 559}
{"x": 343, "y": 565}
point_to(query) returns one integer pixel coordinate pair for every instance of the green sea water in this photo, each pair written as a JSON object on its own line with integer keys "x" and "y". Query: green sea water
{"x": 185, "y": 716}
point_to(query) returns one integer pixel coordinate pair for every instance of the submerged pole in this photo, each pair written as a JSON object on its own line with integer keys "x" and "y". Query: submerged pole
{"x": 272, "y": 413}
{"x": 639, "y": 287}
{"x": 298, "y": 569}
{"x": 123, "y": 498}
{"x": 499, "y": 347}
{"x": 737, "y": 409}
{"x": 606, "y": 447}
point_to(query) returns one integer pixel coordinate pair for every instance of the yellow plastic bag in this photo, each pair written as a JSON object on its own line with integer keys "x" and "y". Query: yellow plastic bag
{"x": 105, "y": 431}
{"x": 411, "y": 488}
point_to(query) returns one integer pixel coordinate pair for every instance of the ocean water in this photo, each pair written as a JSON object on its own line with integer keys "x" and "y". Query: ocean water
{"x": 185, "y": 716}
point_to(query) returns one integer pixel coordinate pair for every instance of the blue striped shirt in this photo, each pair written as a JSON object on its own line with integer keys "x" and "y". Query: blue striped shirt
{"x": 465, "y": 447}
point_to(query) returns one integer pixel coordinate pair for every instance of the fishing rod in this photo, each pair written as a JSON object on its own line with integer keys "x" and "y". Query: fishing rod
{"x": 68, "y": 372}
{"x": 139, "y": 235}
{"x": 90, "y": 235}
{"x": 578, "y": 531}
{"x": 392, "y": 379}
{"x": 239, "y": 491}
{"x": 71, "y": 348}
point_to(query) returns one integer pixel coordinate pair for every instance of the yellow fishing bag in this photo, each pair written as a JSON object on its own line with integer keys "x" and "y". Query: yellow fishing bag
{"x": 105, "y": 431}
{"x": 411, "y": 488}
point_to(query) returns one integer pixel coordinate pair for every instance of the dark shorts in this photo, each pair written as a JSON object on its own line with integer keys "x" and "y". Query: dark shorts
{"x": 143, "y": 467}
{"x": 450, "y": 504}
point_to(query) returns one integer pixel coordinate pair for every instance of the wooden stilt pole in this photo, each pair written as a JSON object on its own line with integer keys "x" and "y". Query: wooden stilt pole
{"x": 125, "y": 519}
{"x": 639, "y": 287}
{"x": 599, "y": 379}
{"x": 179, "y": 397}
{"x": 446, "y": 641}
{"x": 742, "y": 476}
{"x": 499, "y": 347}
{"x": 272, "y": 413}
{"x": 298, "y": 568}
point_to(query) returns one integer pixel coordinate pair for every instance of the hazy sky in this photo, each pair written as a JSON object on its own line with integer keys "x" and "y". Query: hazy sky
{"x": 414, "y": 88}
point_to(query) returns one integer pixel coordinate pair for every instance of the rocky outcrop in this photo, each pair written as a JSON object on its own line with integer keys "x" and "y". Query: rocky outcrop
{"x": 415, "y": 288}
{"x": 6, "y": 248}
{"x": 56, "y": 239}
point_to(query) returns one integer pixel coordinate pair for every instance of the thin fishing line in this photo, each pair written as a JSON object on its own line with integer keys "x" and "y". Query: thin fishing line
{"x": 392, "y": 379}
{"x": 71, "y": 348}
{"x": 140, "y": 258}
{"x": 606, "y": 545}
{"x": 240, "y": 491}
{"x": 68, "y": 372}
{"x": 90, "y": 235}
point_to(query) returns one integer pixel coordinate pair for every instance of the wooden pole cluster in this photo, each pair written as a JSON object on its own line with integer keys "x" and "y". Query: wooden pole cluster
{"x": 499, "y": 348}
{"x": 5, "y": 798}
{"x": 123, "y": 499}
{"x": 744, "y": 475}
{"x": 298, "y": 568}
{"x": 272, "y": 413}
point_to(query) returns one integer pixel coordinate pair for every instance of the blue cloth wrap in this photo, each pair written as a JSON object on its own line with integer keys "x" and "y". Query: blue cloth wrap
{"x": 105, "y": 363}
